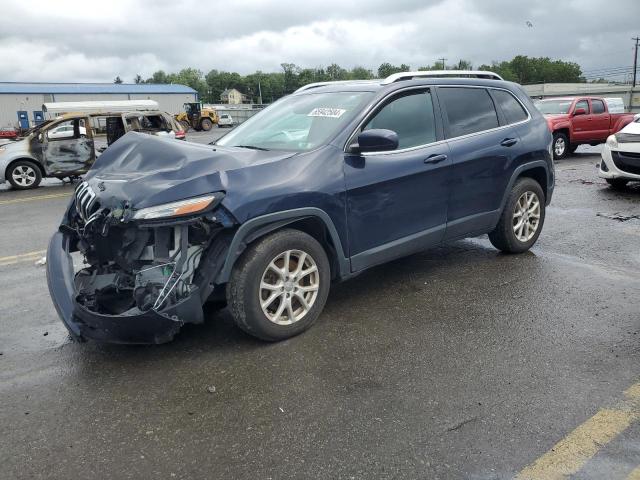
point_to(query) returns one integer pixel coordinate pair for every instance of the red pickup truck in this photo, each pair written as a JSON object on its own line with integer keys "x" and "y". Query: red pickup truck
{"x": 580, "y": 120}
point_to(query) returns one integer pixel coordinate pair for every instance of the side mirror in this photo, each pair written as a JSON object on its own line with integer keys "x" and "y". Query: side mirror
{"x": 579, "y": 111}
{"x": 377, "y": 140}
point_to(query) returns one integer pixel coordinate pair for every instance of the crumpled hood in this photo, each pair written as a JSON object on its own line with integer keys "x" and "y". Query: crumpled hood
{"x": 143, "y": 170}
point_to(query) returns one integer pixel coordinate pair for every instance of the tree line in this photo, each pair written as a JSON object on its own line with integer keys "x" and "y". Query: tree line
{"x": 269, "y": 86}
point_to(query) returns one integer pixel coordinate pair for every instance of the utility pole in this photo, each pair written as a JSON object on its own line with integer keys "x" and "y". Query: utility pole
{"x": 443, "y": 59}
{"x": 635, "y": 59}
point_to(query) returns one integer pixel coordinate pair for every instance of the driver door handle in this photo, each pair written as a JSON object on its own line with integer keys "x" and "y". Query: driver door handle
{"x": 435, "y": 158}
{"x": 509, "y": 142}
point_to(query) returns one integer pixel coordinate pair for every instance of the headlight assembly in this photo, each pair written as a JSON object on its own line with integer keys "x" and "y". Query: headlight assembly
{"x": 612, "y": 141}
{"x": 175, "y": 209}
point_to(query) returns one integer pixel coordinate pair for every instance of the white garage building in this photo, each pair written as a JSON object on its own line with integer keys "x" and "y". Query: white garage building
{"x": 21, "y": 103}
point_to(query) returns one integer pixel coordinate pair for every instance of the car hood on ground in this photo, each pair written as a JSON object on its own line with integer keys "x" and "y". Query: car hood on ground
{"x": 144, "y": 170}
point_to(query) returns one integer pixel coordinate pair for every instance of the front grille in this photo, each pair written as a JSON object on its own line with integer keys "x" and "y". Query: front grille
{"x": 86, "y": 203}
{"x": 627, "y": 161}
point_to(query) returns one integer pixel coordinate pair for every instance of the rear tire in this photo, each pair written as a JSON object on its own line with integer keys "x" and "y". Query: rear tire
{"x": 522, "y": 218}
{"x": 560, "y": 145}
{"x": 270, "y": 295}
{"x": 24, "y": 175}
{"x": 617, "y": 183}
{"x": 206, "y": 124}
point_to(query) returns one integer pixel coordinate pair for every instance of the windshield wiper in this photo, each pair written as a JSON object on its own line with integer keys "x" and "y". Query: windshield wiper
{"x": 252, "y": 147}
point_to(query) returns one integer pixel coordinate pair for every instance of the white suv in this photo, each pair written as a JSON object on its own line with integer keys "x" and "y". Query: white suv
{"x": 225, "y": 120}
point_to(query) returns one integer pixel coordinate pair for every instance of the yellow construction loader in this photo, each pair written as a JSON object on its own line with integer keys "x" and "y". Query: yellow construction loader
{"x": 196, "y": 117}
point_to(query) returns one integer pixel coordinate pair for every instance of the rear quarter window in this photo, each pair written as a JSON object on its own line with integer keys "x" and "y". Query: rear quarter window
{"x": 513, "y": 111}
{"x": 468, "y": 110}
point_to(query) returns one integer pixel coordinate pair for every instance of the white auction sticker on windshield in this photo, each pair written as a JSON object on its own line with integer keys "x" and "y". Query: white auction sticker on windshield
{"x": 327, "y": 112}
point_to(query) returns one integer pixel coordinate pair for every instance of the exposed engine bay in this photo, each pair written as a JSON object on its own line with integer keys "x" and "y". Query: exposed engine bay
{"x": 150, "y": 236}
{"x": 134, "y": 267}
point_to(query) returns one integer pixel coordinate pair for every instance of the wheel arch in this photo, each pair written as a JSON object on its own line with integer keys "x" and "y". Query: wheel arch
{"x": 537, "y": 170}
{"x": 565, "y": 130}
{"x": 311, "y": 220}
{"x": 26, "y": 159}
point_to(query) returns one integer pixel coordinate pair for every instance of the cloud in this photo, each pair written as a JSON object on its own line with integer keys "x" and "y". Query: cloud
{"x": 81, "y": 41}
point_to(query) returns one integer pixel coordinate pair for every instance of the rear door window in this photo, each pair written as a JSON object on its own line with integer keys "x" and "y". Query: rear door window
{"x": 597, "y": 106}
{"x": 468, "y": 110}
{"x": 411, "y": 116}
{"x": 512, "y": 109}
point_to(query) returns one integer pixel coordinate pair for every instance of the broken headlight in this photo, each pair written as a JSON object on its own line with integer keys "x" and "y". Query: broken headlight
{"x": 175, "y": 209}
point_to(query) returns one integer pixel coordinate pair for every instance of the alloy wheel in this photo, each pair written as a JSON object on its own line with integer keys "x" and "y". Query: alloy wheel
{"x": 24, "y": 175}
{"x": 289, "y": 287}
{"x": 559, "y": 146}
{"x": 526, "y": 216}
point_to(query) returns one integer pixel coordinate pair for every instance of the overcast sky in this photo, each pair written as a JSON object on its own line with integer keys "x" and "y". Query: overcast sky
{"x": 71, "y": 41}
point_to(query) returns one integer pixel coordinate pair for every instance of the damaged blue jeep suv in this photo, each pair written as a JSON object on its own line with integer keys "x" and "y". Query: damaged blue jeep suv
{"x": 323, "y": 184}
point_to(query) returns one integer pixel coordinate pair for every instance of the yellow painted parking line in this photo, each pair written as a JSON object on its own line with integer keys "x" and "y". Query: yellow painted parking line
{"x": 22, "y": 257}
{"x": 569, "y": 455}
{"x": 34, "y": 198}
{"x": 635, "y": 474}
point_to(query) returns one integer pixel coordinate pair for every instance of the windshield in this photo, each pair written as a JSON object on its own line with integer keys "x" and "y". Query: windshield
{"x": 554, "y": 107}
{"x": 298, "y": 122}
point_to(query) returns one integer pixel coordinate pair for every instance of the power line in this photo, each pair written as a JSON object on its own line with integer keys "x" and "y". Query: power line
{"x": 607, "y": 70}
{"x": 609, "y": 74}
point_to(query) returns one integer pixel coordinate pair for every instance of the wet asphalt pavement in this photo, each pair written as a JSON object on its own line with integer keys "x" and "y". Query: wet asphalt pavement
{"x": 459, "y": 362}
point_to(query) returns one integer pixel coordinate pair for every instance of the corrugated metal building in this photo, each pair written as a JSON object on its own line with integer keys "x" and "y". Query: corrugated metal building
{"x": 22, "y": 102}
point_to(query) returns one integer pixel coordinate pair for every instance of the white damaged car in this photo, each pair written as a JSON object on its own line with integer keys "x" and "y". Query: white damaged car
{"x": 621, "y": 156}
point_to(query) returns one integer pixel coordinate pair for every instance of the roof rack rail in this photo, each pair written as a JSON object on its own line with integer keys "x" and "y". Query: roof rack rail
{"x": 441, "y": 73}
{"x": 332, "y": 82}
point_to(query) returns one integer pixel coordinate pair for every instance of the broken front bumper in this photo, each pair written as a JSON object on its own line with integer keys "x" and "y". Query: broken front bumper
{"x": 147, "y": 327}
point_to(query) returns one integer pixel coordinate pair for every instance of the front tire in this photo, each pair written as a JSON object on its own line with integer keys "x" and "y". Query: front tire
{"x": 560, "y": 145}
{"x": 206, "y": 124}
{"x": 24, "y": 175}
{"x": 279, "y": 286}
{"x": 522, "y": 218}
{"x": 617, "y": 183}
